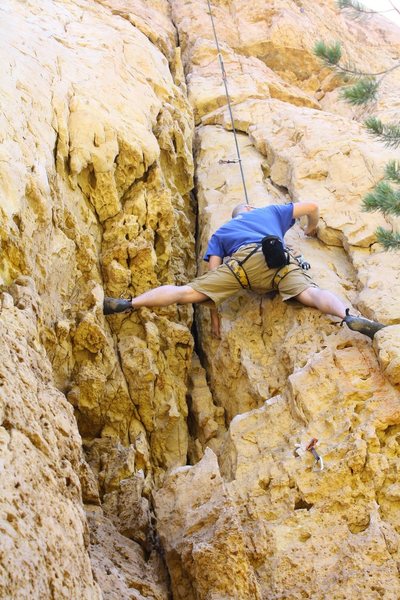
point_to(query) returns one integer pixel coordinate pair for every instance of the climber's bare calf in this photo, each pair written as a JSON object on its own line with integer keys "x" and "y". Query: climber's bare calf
{"x": 323, "y": 300}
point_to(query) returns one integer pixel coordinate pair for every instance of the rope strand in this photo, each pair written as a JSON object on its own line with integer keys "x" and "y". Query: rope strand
{"x": 224, "y": 79}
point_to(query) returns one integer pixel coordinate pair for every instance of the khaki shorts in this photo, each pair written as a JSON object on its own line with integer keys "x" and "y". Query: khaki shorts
{"x": 220, "y": 284}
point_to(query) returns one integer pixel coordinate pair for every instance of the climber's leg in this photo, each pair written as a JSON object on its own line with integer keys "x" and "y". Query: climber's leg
{"x": 328, "y": 303}
{"x": 169, "y": 294}
{"x": 160, "y": 296}
{"x": 323, "y": 300}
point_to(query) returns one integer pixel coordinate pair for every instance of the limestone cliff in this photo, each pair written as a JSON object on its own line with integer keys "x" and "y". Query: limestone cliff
{"x": 192, "y": 467}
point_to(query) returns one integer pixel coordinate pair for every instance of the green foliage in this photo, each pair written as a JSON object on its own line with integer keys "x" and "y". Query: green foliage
{"x": 387, "y": 200}
{"x": 357, "y": 8}
{"x": 362, "y": 92}
{"x": 350, "y": 4}
{"x": 383, "y": 198}
{"x": 388, "y": 133}
{"x": 374, "y": 125}
{"x": 330, "y": 54}
{"x": 388, "y": 239}
{"x": 392, "y": 171}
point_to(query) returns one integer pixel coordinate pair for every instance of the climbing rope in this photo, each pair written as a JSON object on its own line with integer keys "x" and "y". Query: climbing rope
{"x": 224, "y": 79}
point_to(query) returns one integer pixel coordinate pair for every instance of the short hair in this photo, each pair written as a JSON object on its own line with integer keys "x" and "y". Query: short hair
{"x": 238, "y": 209}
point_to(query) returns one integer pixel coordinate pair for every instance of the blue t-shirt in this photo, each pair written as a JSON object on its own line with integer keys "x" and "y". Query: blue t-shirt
{"x": 250, "y": 227}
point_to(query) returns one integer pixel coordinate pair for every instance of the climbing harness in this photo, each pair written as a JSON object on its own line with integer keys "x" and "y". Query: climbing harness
{"x": 237, "y": 269}
{"x": 282, "y": 273}
{"x": 299, "y": 265}
{"x": 318, "y": 458}
{"x": 224, "y": 79}
{"x": 235, "y": 266}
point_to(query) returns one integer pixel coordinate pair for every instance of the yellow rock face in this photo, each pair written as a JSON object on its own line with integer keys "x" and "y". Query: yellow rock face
{"x": 117, "y": 151}
{"x": 96, "y": 170}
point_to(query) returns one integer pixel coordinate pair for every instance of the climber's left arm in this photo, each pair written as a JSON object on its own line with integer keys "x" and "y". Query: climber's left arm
{"x": 309, "y": 210}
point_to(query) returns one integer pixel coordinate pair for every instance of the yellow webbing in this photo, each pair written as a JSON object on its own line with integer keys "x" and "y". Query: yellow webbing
{"x": 279, "y": 275}
{"x": 238, "y": 272}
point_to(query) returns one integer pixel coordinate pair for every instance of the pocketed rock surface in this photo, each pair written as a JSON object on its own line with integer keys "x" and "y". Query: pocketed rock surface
{"x": 133, "y": 466}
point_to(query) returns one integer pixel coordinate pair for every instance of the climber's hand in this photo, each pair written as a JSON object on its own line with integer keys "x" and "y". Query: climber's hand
{"x": 311, "y": 231}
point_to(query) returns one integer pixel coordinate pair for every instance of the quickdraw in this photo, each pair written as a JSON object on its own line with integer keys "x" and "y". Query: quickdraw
{"x": 319, "y": 463}
{"x": 318, "y": 458}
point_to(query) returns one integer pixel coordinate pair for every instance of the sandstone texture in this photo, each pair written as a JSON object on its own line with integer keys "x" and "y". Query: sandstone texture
{"x": 44, "y": 533}
{"x": 141, "y": 457}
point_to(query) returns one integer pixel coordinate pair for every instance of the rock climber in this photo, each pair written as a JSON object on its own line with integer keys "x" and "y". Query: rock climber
{"x": 240, "y": 243}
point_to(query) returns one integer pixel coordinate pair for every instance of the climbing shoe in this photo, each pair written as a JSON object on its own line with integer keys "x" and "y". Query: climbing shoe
{"x": 362, "y": 324}
{"x": 116, "y": 305}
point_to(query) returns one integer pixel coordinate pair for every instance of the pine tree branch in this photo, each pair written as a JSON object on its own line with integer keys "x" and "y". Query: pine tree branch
{"x": 388, "y": 239}
{"x": 394, "y": 7}
{"x": 374, "y": 125}
{"x": 383, "y": 198}
{"x": 358, "y": 73}
{"x": 392, "y": 171}
{"x": 388, "y": 133}
{"x": 331, "y": 54}
{"x": 360, "y": 10}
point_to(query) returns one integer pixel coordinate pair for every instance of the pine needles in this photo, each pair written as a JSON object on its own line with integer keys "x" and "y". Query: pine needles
{"x": 392, "y": 171}
{"x": 390, "y": 240}
{"x": 362, "y": 92}
{"x": 388, "y": 133}
{"x": 330, "y": 54}
{"x": 356, "y": 9}
{"x": 383, "y": 198}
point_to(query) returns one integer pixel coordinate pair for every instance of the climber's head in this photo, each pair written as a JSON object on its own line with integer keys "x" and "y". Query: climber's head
{"x": 239, "y": 208}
